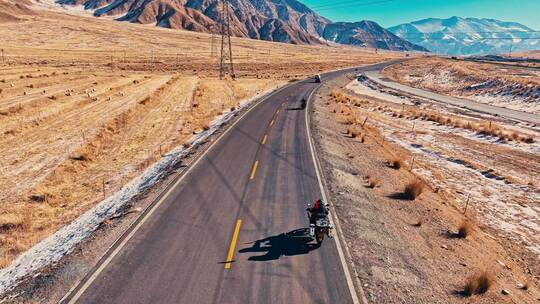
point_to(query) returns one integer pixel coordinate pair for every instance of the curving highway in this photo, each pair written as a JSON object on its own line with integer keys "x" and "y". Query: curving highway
{"x": 231, "y": 229}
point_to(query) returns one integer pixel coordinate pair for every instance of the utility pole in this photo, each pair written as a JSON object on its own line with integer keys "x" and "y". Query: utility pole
{"x": 226, "y": 47}
{"x": 3, "y": 59}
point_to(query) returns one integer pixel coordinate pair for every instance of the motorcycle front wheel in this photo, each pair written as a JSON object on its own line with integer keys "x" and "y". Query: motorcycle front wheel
{"x": 319, "y": 238}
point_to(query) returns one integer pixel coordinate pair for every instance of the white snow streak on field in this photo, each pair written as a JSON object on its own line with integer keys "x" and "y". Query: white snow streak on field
{"x": 64, "y": 240}
{"x": 514, "y": 209}
{"x": 494, "y": 92}
{"x": 520, "y": 221}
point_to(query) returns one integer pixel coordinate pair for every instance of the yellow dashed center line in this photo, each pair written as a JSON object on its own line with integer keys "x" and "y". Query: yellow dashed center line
{"x": 233, "y": 244}
{"x": 254, "y": 170}
{"x": 230, "y": 255}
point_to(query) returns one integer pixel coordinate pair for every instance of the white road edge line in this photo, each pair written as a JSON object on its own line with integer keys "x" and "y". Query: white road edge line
{"x": 333, "y": 217}
{"x": 154, "y": 207}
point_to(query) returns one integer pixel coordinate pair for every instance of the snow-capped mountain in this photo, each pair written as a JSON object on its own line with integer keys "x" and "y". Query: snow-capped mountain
{"x": 366, "y": 33}
{"x": 275, "y": 20}
{"x": 468, "y": 36}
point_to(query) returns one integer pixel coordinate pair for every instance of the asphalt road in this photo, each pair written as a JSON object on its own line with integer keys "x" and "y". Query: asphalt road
{"x": 232, "y": 229}
{"x": 374, "y": 75}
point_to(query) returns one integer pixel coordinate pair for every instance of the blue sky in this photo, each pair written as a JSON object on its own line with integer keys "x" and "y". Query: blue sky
{"x": 393, "y": 12}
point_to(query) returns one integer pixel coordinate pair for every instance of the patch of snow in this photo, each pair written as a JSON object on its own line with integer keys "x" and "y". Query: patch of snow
{"x": 368, "y": 89}
{"x": 52, "y": 5}
{"x": 509, "y": 207}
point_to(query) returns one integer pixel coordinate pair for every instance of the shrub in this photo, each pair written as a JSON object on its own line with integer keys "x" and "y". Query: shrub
{"x": 524, "y": 286}
{"x": 465, "y": 229}
{"x": 527, "y": 139}
{"x": 80, "y": 157}
{"x": 372, "y": 182}
{"x": 395, "y": 163}
{"x": 145, "y": 100}
{"x": 478, "y": 283}
{"x": 413, "y": 189}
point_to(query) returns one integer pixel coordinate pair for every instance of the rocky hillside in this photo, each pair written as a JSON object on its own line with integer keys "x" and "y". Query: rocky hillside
{"x": 11, "y": 10}
{"x": 275, "y": 20}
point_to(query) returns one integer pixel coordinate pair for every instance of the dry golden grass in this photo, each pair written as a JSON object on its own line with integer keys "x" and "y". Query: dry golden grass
{"x": 112, "y": 139}
{"x": 465, "y": 229}
{"x": 481, "y": 127}
{"x": 11, "y": 221}
{"x": 479, "y": 283}
{"x": 362, "y": 138}
{"x": 524, "y": 286}
{"x": 354, "y": 133}
{"x": 101, "y": 43}
{"x": 413, "y": 189}
{"x": 395, "y": 163}
{"x": 372, "y": 182}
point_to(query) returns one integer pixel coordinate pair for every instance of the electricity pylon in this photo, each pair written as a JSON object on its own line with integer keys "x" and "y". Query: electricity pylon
{"x": 226, "y": 60}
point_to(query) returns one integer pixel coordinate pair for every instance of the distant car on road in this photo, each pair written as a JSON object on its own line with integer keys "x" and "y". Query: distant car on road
{"x": 317, "y": 78}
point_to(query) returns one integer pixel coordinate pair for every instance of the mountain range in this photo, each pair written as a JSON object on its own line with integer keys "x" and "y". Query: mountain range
{"x": 469, "y": 36}
{"x": 274, "y": 20}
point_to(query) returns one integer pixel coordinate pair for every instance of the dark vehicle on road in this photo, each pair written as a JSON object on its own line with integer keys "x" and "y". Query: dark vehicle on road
{"x": 317, "y": 78}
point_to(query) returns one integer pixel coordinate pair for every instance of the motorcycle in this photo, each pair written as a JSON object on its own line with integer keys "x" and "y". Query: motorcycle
{"x": 320, "y": 228}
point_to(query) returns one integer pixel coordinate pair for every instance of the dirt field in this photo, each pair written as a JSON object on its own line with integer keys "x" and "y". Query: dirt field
{"x": 504, "y": 86}
{"x": 410, "y": 250}
{"x": 87, "y": 104}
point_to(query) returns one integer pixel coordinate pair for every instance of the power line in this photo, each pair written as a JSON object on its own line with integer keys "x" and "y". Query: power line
{"x": 473, "y": 32}
{"x": 481, "y": 38}
{"x": 346, "y": 4}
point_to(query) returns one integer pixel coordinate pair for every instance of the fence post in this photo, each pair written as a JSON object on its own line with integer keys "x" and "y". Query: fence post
{"x": 467, "y": 203}
{"x": 103, "y": 186}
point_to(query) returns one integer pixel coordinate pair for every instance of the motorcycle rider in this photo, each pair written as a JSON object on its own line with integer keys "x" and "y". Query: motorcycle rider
{"x": 318, "y": 209}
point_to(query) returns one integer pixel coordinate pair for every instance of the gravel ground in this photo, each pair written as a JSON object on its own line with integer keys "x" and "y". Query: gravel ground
{"x": 396, "y": 260}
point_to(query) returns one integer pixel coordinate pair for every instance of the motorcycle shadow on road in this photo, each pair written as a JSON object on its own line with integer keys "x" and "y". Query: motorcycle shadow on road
{"x": 295, "y": 242}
